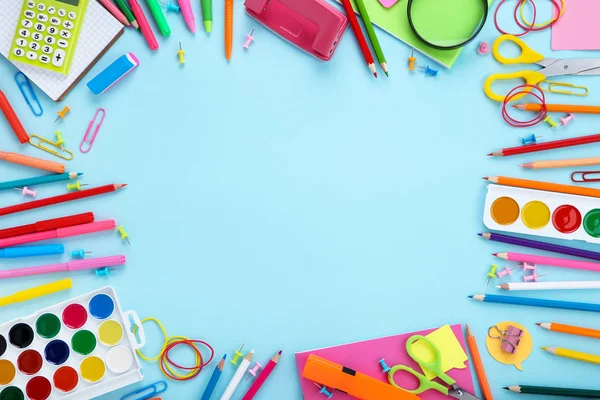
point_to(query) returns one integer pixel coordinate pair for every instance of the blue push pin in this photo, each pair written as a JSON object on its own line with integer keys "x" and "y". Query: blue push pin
{"x": 384, "y": 366}
{"x": 531, "y": 139}
{"x": 104, "y": 271}
{"x": 171, "y": 6}
{"x": 324, "y": 391}
{"x": 80, "y": 253}
{"x": 429, "y": 71}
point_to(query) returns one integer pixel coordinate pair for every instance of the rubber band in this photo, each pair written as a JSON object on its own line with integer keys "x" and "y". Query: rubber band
{"x": 519, "y": 90}
{"x": 526, "y": 30}
{"x": 164, "y": 346}
{"x": 546, "y": 24}
{"x": 190, "y": 343}
{"x": 166, "y": 368}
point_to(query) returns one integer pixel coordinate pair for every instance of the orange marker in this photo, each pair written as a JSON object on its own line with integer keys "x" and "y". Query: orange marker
{"x": 228, "y": 28}
{"x": 411, "y": 61}
{"x": 354, "y": 383}
{"x": 13, "y": 120}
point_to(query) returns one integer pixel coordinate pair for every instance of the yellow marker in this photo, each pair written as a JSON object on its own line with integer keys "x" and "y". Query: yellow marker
{"x": 35, "y": 292}
{"x": 124, "y": 235}
{"x": 237, "y": 355}
{"x": 411, "y": 61}
{"x": 75, "y": 186}
{"x": 59, "y": 139}
{"x": 62, "y": 114}
{"x": 180, "y": 53}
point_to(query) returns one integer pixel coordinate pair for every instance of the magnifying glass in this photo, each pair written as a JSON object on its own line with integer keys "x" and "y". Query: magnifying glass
{"x": 447, "y": 25}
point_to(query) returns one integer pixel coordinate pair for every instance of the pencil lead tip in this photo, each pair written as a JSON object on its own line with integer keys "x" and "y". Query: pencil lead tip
{"x": 495, "y": 254}
{"x": 79, "y": 173}
{"x": 471, "y": 296}
{"x": 505, "y": 388}
{"x": 486, "y": 178}
{"x": 490, "y": 154}
{"x": 480, "y": 234}
{"x": 538, "y": 323}
{"x": 375, "y": 74}
{"x": 544, "y": 348}
{"x": 280, "y": 351}
{"x": 387, "y": 74}
{"x": 124, "y": 184}
{"x": 224, "y": 356}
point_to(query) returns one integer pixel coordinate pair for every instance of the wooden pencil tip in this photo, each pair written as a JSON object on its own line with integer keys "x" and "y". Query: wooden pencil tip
{"x": 471, "y": 296}
{"x": 495, "y": 254}
{"x": 486, "y": 178}
{"x": 280, "y": 351}
{"x": 490, "y": 154}
{"x": 480, "y": 234}
{"x": 538, "y": 323}
{"x": 544, "y": 348}
{"x": 505, "y": 388}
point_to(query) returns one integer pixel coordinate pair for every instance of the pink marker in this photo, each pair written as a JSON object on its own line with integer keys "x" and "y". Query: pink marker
{"x": 188, "y": 15}
{"x": 144, "y": 25}
{"x": 75, "y": 265}
{"x": 59, "y": 233}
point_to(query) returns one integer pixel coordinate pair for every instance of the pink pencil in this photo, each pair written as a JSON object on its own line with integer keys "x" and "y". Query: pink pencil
{"x": 556, "y": 262}
{"x": 144, "y": 25}
{"x": 114, "y": 10}
{"x": 59, "y": 233}
{"x": 75, "y": 265}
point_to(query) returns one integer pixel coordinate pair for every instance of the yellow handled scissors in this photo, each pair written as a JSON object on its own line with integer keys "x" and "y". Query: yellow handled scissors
{"x": 553, "y": 67}
{"x": 434, "y": 365}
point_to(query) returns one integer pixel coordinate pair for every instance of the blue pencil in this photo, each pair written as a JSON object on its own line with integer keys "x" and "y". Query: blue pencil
{"x": 526, "y": 301}
{"x": 39, "y": 180}
{"x": 210, "y": 388}
{"x": 30, "y": 251}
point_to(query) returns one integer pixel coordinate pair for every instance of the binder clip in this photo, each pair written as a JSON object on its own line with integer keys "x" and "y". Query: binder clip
{"x": 88, "y": 140}
{"x": 315, "y": 26}
{"x": 510, "y": 338}
{"x": 50, "y": 147}
{"x": 29, "y": 94}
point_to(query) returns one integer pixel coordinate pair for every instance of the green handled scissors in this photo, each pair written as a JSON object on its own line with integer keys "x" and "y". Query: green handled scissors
{"x": 434, "y": 365}
{"x": 553, "y": 67}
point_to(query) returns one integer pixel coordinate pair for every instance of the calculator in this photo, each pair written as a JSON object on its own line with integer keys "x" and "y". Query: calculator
{"x": 47, "y": 32}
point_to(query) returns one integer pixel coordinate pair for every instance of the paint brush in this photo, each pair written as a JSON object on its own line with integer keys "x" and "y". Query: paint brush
{"x": 212, "y": 383}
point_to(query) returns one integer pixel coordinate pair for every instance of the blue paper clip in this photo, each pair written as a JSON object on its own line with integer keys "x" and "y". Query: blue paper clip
{"x": 29, "y": 94}
{"x": 147, "y": 392}
{"x": 88, "y": 140}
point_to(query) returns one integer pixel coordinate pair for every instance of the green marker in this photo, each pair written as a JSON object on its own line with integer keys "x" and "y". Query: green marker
{"x": 372, "y": 36}
{"x": 207, "y": 14}
{"x": 128, "y": 14}
{"x": 159, "y": 17}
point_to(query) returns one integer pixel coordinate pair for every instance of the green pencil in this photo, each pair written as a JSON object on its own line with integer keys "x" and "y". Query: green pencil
{"x": 128, "y": 14}
{"x": 372, "y": 36}
{"x": 554, "y": 391}
{"x": 207, "y": 14}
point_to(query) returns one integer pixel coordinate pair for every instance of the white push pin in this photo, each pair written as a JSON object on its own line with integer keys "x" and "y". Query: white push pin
{"x": 249, "y": 39}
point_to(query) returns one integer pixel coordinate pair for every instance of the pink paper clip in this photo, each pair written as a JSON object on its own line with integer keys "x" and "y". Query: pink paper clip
{"x": 88, "y": 142}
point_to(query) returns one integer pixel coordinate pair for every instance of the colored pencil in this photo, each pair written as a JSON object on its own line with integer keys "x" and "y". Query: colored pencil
{"x": 526, "y": 301}
{"x": 534, "y": 244}
{"x": 568, "y": 285}
{"x": 569, "y": 329}
{"x": 574, "y": 162}
{"x": 47, "y": 225}
{"x": 32, "y": 162}
{"x": 554, "y": 144}
{"x": 39, "y": 180}
{"x": 59, "y": 233}
{"x": 573, "y": 355}
{"x": 552, "y": 261}
{"x": 212, "y": 383}
{"x": 566, "y": 108}
{"x": 144, "y": 25}
{"x": 114, "y": 10}
{"x": 63, "y": 198}
{"x": 237, "y": 377}
{"x": 554, "y": 391}
{"x": 479, "y": 370}
{"x": 360, "y": 37}
{"x": 372, "y": 35}
{"x": 262, "y": 377}
{"x": 228, "y": 29}
{"x": 122, "y": 4}
{"x": 546, "y": 186}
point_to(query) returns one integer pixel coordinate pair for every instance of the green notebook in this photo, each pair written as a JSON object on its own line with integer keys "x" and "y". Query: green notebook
{"x": 432, "y": 18}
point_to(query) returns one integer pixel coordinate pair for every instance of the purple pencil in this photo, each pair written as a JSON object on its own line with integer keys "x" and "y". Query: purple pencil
{"x": 534, "y": 244}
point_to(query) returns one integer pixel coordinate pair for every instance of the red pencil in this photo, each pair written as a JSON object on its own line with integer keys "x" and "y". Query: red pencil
{"x": 362, "y": 42}
{"x": 63, "y": 198}
{"x": 262, "y": 377}
{"x": 555, "y": 144}
{"x": 47, "y": 225}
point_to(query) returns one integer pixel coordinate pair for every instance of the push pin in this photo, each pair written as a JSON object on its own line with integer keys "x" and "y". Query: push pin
{"x": 237, "y": 355}
{"x": 80, "y": 253}
{"x": 531, "y": 139}
{"x": 533, "y": 277}
{"x": 27, "y": 192}
{"x": 249, "y": 39}
{"x": 75, "y": 186}
{"x": 483, "y": 48}
{"x": 124, "y": 235}
{"x": 324, "y": 391}
{"x": 492, "y": 273}
{"x": 550, "y": 121}
{"x": 181, "y": 53}
{"x": 429, "y": 71}
{"x": 62, "y": 114}
{"x": 59, "y": 140}
{"x": 384, "y": 366}
{"x": 411, "y": 60}
{"x": 170, "y": 6}
{"x": 528, "y": 267}
{"x": 254, "y": 370}
{"x": 104, "y": 271}
{"x": 505, "y": 272}
{"x": 564, "y": 121}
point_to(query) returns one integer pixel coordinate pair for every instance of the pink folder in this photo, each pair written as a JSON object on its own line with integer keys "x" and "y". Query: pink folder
{"x": 364, "y": 357}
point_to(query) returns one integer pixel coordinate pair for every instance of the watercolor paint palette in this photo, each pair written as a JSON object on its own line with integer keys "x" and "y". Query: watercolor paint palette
{"x": 541, "y": 213}
{"x": 75, "y": 350}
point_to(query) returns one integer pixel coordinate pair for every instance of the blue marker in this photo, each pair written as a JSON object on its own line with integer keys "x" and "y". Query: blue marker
{"x": 30, "y": 251}
{"x": 212, "y": 383}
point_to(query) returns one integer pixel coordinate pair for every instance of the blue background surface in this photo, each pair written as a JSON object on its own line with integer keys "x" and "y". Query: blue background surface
{"x": 285, "y": 203}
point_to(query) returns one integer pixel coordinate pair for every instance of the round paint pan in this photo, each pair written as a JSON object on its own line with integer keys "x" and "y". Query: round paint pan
{"x": 20, "y": 335}
{"x": 65, "y": 379}
{"x": 57, "y": 352}
{"x": 74, "y": 316}
{"x": 2, "y": 345}
{"x": 83, "y": 342}
{"x": 535, "y": 215}
{"x": 30, "y": 362}
{"x": 591, "y": 223}
{"x": 7, "y": 372}
{"x": 110, "y": 333}
{"x": 12, "y": 393}
{"x": 47, "y": 326}
{"x": 101, "y": 306}
{"x": 504, "y": 210}
{"x": 38, "y": 388}
{"x": 566, "y": 219}
{"x": 92, "y": 369}
{"x": 119, "y": 359}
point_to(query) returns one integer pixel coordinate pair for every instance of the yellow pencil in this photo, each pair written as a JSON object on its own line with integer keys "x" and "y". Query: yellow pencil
{"x": 573, "y": 355}
{"x": 574, "y": 162}
{"x": 35, "y": 292}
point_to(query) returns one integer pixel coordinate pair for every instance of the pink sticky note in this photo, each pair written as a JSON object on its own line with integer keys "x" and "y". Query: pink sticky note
{"x": 578, "y": 28}
{"x": 388, "y": 3}
{"x": 364, "y": 356}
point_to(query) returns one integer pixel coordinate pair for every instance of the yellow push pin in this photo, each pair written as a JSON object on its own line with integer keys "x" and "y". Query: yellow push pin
{"x": 62, "y": 114}
{"x": 237, "y": 355}
{"x": 411, "y": 61}
{"x": 181, "y": 53}
{"x": 124, "y": 235}
{"x": 59, "y": 139}
{"x": 75, "y": 186}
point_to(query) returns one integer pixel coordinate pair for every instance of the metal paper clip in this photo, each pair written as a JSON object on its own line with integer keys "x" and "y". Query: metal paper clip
{"x": 551, "y": 85}
{"x": 29, "y": 94}
{"x": 581, "y": 176}
{"x": 87, "y": 140}
{"x": 147, "y": 392}
{"x": 50, "y": 147}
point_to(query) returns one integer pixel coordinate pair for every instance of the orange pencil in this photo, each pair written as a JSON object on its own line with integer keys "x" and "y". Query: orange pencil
{"x": 228, "y": 28}
{"x": 32, "y": 162}
{"x": 574, "y": 162}
{"x": 483, "y": 382}
{"x": 566, "y": 108}
{"x": 571, "y": 330}
{"x": 547, "y": 186}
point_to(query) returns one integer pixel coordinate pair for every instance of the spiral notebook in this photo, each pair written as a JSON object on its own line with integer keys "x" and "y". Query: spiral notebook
{"x": 98, "y": 33}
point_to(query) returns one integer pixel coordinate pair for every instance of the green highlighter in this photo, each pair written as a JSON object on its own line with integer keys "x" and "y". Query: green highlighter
{"x": 207, "y": 14}
{"x": 159, "y": 17}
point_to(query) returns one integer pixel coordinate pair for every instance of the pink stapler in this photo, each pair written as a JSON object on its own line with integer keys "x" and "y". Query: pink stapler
{"x": 313, "y": 25}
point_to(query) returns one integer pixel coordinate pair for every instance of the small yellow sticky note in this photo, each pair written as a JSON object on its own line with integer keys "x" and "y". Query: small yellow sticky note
{"x": 453, "y": 355}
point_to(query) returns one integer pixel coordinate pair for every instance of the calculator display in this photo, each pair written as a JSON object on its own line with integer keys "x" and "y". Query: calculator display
{"x": 71, "y": 2}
